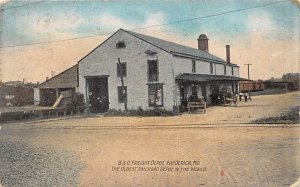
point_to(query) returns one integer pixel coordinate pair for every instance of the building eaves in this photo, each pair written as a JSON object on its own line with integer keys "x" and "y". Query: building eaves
{"x": 207, "y": 78}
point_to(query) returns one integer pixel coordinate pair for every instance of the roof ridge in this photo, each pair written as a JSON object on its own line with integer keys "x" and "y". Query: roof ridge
{"x": 208, "y": 55}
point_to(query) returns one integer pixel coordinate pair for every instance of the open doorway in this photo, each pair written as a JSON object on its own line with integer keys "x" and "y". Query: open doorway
{"x": 97, "y": 94}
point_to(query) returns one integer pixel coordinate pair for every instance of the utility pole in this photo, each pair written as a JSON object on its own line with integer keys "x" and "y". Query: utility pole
{"x": 249, "y": 80}
{"x": 122, "y": 82}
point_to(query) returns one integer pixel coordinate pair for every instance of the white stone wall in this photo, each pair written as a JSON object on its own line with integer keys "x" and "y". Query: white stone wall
{"x": 103, "y": 61}
{"x": 36, "y": 96}
{"x": 220, "y": 69}
{"x": 184, "y": 65}
{"x": 228, "y": 70}
{"x": 236, "y": 71}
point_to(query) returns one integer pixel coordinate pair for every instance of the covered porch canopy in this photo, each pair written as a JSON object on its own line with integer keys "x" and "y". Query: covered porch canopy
{"x": 205, "y": 86}
{"x": 194, "y": 78}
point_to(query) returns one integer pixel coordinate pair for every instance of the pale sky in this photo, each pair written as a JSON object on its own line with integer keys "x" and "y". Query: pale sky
{"x": 267, "y": 37}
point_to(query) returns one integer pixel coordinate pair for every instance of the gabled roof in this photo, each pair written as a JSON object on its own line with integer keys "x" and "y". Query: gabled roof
{"x": 66, "y": 79}
{"x": 178, "y": 49}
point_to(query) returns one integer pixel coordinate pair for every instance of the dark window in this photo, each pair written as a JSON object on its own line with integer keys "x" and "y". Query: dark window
{"x": 194, "y": 89}
{"x": 211, "y": 68}
{"x": 231, "y": 70}
{"x": 121, "y": 69}
{"x": 204, "y": 93}
{"x": 224, "y": 69}
{"x": 155, "y": 95}
{"x": 122, "y": 94}
{"x": 120, "y": 45}
{"x": 152, "y": 70}
{"x": 214, "y": 89}
{"x": 193, "y": 66}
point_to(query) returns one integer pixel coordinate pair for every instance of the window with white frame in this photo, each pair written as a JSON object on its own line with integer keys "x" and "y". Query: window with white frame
{"x": 193, "y": 66}
{"x": 152, "y": 70}
{"x": 120, "y": 45}
{"x": 122, "y": 94}
{"x": 121, "y": 69}
{"x": 155, "y": 95}
{"x": 211, "y": 68}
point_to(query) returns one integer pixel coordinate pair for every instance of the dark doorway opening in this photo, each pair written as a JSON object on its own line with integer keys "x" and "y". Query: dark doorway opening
{"x": 97, "y": 93}
{"x": 183, "y": 99}
{"x": 216, "y": 96}
{"x": 47, "y": 96}
{"x": 204, "y": 93}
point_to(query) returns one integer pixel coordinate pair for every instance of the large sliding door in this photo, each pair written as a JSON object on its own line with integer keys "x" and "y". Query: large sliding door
{"x": 97, "y": 94}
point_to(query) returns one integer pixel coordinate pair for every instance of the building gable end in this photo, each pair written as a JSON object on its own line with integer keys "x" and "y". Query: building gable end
{"x": 98, "y": 46}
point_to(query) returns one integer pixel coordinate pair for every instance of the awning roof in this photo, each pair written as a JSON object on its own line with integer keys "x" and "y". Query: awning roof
{"x": 66, "y": 79}
{"x": 187, "y": 77}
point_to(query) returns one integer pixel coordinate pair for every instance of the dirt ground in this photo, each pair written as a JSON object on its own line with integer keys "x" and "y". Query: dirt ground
{"x": 218, "y": 148}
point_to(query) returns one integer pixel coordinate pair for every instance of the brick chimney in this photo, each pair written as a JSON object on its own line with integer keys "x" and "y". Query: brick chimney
{"x": 203, "y": 43}
{"x": 228, "y": 54}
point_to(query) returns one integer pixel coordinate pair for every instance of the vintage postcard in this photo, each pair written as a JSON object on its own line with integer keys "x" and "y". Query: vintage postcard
{"x": 149, "y": 93}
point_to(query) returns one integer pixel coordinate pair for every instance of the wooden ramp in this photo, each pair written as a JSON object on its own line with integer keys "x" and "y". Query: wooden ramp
{"x": 57, "y": 101}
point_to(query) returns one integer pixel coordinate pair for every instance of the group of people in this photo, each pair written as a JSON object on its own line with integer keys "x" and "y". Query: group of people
{"x": 195, "y": 98}
{"x": 245, "y": 95}
{"x": 229, "y": 94}
{"x": 219, "y": 98}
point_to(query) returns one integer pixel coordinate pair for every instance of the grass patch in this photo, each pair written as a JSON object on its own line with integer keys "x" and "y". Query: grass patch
{"x": 140, "y": 112}
{"x": 290, "y": 117}
{"x": 17, "y": 116}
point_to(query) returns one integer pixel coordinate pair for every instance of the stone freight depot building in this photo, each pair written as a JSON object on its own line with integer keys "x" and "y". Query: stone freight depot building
{"x": 155, "y": 72}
